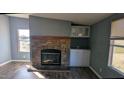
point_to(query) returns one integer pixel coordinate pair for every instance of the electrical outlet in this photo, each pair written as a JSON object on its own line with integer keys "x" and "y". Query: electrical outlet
{"x": 24, "y": 56}
{"x": 100, "y": 70}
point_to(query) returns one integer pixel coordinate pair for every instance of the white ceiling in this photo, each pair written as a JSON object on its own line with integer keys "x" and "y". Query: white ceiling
{"x": 77, "y": 18}
{"x": 19, "y": 15}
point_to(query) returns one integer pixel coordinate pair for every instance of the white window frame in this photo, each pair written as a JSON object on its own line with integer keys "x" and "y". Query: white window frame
{"x": 111, "y": 55}
{"x": 18, "y": 42}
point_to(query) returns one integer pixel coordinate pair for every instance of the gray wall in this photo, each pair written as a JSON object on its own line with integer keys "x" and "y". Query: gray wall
{"x": 15, "y": 24}
{"x": 5, "y": 52}
{"x": 49, "y": 27}
{"x": 100, "y": 34}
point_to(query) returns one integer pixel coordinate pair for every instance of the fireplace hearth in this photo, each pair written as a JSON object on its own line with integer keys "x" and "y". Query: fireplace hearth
{"x": 50, "y": 57}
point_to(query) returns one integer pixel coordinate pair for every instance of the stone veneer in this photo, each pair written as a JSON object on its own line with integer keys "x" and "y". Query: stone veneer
{"x": 49, "y": 42}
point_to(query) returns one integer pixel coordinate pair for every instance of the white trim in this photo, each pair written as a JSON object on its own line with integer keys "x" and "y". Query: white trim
{"x": 22, "y": 60}
{"x": 110, "y": 54}
{"x": 99, "y": 76}
{"x": 5, "y": 63}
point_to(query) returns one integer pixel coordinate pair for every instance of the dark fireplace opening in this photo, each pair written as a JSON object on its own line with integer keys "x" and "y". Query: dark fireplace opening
{"x": 50, "y": 57}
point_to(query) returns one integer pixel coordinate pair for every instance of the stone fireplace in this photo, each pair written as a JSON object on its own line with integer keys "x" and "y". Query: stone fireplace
{"x": 50, "y": 50}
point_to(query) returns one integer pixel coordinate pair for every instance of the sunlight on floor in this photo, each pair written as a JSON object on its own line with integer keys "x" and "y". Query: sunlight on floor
{"x": 39, "y": 75}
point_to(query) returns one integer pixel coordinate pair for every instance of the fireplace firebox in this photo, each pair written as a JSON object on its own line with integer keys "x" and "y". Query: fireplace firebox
{"x": 50, "y": 57}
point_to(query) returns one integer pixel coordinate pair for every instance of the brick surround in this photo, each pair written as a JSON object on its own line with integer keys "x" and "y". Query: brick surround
{"x": 49, "y": 42}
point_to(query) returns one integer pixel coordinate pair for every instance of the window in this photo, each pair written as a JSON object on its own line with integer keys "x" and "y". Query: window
{"x": 23, "y": 40}
{"x": 117, "y": 45}
{"x": 117, "y": 54}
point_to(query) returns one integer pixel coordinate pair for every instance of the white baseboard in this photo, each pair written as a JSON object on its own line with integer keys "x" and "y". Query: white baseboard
{"x": 21, "y": 60}
{"x": 5, "y": 63}
{"x": 99, "y": 76}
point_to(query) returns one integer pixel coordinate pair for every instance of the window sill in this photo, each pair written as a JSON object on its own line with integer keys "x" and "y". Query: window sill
{"x": 115, "y": 69}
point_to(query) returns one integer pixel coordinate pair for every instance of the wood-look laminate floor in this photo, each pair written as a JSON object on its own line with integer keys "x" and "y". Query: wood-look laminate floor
{"x": 18, "y": 70}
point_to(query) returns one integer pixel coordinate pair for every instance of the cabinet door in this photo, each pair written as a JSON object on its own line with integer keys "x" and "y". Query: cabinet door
{"x": 79, "y": 31}
{"x": 79, "y": 57}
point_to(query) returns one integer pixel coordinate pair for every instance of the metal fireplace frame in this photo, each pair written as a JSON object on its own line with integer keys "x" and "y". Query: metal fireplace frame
{"x": 51, "y": 51}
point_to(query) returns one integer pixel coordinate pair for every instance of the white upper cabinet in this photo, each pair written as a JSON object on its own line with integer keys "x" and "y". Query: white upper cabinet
{"x": 80, "y": 31}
